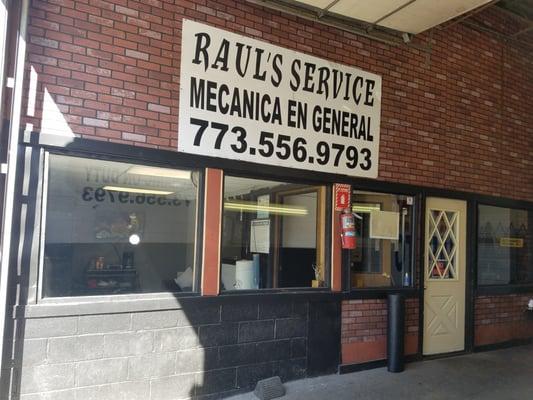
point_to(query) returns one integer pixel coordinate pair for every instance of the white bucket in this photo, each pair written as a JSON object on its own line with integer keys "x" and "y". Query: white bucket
{"x": 247, "y": 273}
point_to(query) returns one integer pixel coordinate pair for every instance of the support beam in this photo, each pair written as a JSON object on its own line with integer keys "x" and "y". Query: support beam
{"x": 12, "y": 154}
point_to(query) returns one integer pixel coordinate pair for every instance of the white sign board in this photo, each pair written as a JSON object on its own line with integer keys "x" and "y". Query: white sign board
{"x": 244, "y": 99}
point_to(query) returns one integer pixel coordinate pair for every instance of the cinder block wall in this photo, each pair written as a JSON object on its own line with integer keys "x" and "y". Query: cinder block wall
{"x": 198, "y": 350}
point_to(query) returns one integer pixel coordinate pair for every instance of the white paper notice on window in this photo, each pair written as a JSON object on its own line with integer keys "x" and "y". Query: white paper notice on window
{"x": 263, "y": 202}
{"x": 384, "y": 225}
{"x": 260, "y": 236}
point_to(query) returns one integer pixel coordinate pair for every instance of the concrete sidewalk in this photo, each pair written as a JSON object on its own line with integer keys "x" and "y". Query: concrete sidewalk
{"x": 499, "y": 375}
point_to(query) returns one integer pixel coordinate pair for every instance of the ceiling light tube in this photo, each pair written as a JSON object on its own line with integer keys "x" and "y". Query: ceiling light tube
{"x": 274, "y": 209}
{"x": 137, "y": 190}
{"x": 365, "y": 208}
{"x": 159, "y": 172}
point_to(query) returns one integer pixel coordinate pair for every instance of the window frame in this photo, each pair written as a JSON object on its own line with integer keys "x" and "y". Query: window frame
{"x": 198, "y": 234}
{"x": 418, "y": 241}
{"x": 328, "y": 188}
{"x": 507, "y": 288}
{"x": 35, "y": 144}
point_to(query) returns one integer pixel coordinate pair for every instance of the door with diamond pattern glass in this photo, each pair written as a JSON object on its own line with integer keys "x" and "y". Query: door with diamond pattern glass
{"x": 444, "y": 276}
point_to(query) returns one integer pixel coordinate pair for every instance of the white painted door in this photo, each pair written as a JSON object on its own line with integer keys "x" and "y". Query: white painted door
{"x": 444, "y": 276}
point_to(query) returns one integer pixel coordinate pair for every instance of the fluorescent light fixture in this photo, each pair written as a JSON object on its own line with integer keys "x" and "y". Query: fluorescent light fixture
{"x": 159, "y": 172}
{"x": 272, "y": 208}
{"x": 365, "y": 208}
{"x": 137, "y": 190}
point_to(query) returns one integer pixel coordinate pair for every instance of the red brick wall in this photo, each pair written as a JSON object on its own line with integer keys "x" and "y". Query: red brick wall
{"x": 502, "y": 318}
{"x": 364, "y": 330}
{"x": 459, "y": 119}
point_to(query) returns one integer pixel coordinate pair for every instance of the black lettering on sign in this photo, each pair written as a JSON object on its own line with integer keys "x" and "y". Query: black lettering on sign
{"x": 317, "y": 120}
{"x": 259, "y": 75}
{"x": 211, "y": 96}
{"x": 222, "y": 56}
{"x": 369, "y": 136}
{"x": 369, "y": 98}
{"x": 309, "y": 86}
{"x": 223, "y": 92}
{"x": 355, "y": 93}
{"x": 337, "y": 82}
{"x": 238, "y": 60}
{"x": 323, "y": 77}
{"x": 197, "y": 93}
{"x": 347, "y": 87}
{"x": 297, "y": 114}
{"x": 291, "y": 113}
{"x": 203, "y": 40}
{"x": 277, "y": 61}
{"x": 295, "y": 67}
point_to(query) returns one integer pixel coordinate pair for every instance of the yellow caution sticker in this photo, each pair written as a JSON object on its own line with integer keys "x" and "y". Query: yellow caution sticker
{"x": 511, "y": 242}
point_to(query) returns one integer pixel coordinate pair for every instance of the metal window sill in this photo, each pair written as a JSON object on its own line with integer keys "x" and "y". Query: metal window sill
{"x": 90, "y": 305}
{"x": 504, "y": 289}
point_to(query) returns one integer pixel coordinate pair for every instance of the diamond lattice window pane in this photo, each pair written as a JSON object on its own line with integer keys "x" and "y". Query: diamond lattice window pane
{"x": 442, "y": 245}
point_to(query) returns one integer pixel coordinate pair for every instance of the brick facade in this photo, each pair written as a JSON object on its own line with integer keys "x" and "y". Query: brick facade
{"x": 109, "y": 70}
{"x": 364, "y": 330}
{"x": 458, "y": 118}
{"x": 502, "y": 319}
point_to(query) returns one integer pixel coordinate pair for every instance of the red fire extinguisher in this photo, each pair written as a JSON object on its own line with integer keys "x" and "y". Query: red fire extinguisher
{"x": 347, "y": 221}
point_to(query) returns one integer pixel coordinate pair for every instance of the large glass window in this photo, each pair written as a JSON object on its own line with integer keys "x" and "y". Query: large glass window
{"x": 505, "y": 242}
{"x": 383, "y": 256}
{"x": 114, "y": 227}
{"x": 272, "y": 235}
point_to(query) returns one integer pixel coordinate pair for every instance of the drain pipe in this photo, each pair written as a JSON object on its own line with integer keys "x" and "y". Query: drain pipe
{"x": 12, "y": 153}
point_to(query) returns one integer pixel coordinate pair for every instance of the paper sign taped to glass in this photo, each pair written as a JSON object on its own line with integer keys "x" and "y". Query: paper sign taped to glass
{"x": 260, "y": 236}
{"x": 384, "y": 225}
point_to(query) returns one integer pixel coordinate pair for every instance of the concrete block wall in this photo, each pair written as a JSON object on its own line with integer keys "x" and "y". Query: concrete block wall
{"x": 364, "y": 329}
{"x": 502, "y": 318}
{"x": 203, "y": 351}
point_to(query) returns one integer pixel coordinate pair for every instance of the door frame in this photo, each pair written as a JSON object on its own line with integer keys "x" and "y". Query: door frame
{"x": 460, "y": 278}
{"x": 471, "y": 223}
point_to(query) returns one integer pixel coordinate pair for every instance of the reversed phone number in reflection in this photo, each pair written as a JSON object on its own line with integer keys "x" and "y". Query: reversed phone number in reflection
{"x": 100, "y": 195}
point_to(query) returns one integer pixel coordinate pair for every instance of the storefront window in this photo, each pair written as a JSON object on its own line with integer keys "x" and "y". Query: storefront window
{"x": 505, "y": 241}
{"x": 273, "y": 235}
{"x": 383, "y": 256}
{"x": 114, "y": 227}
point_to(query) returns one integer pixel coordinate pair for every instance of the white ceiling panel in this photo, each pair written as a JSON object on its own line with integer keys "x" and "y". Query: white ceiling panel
{"x": 364, "y": 10}
{"x": 415, "y": 17}
{"x": 322, "y": 4}
{"x": 424, "y": 14}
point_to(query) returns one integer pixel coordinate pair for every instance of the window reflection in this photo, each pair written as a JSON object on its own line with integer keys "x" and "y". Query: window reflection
{"x": 114, "y": 227}
{"x": 273, "y": 234}
{"x": 504, "y": 245}
{"x": 384, "y": 246}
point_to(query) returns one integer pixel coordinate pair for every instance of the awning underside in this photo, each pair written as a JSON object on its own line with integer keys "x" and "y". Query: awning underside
{"x": 411, "y": 16}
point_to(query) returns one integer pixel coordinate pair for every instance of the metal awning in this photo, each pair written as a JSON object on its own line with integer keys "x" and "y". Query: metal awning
{"x": 411, "y": 16}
